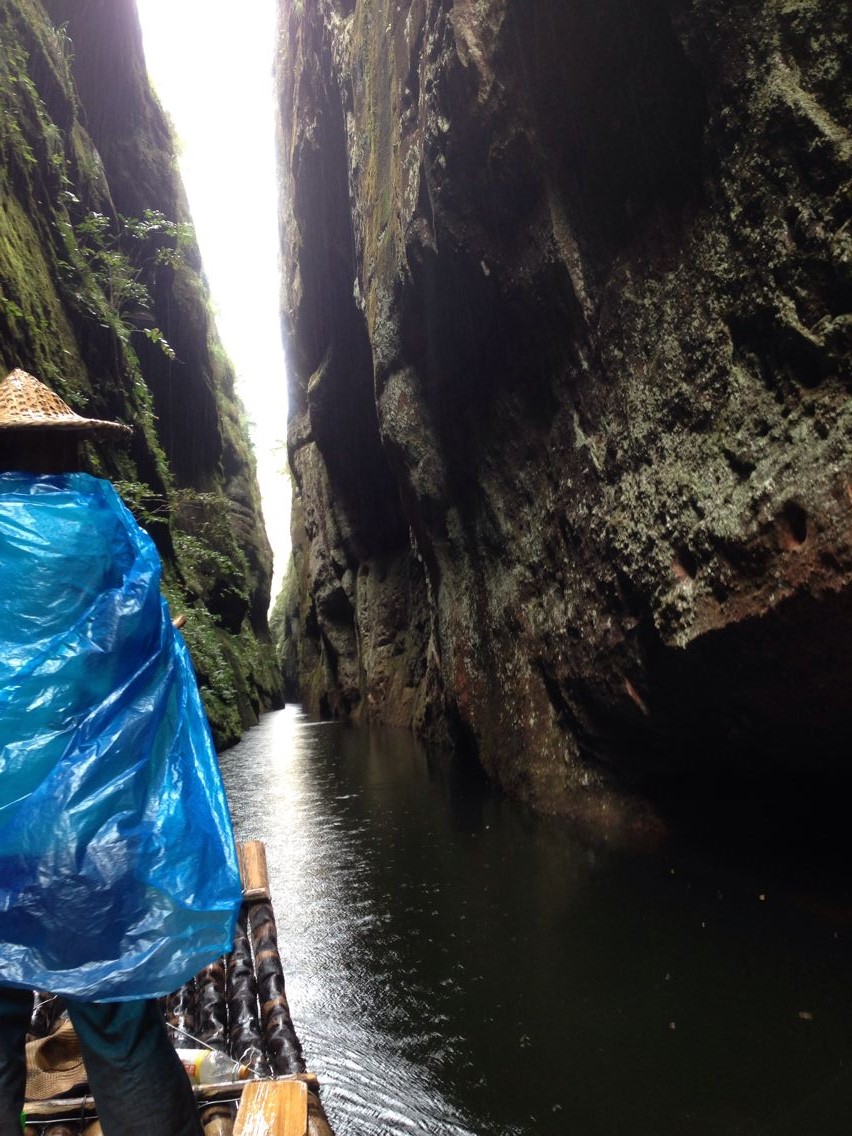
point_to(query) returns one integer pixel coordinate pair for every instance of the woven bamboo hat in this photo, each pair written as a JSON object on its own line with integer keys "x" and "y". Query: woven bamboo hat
{"x": 27, "y": 404}
{"x": 55, "y": 1064}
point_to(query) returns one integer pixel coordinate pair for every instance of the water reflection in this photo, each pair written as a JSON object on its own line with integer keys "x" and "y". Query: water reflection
{"x": 457, "y": 968}
{"x": 287, "y": 788}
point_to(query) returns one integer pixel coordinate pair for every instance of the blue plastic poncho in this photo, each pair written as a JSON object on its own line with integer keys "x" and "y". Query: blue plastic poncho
{"x": 118, "y": 873}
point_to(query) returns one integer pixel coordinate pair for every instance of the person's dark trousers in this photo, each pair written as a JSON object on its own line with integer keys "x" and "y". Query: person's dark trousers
{"x": 16, "y": 1007}
{"x": 139, "y": 1085}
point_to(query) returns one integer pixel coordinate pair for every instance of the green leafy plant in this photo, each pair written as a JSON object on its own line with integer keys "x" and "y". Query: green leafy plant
{"x": 215, "y": 672}
{"x": 10, "y": 308}
{"x": 159, "y": 340}
{"x": 63, "y": 51}
{"x": 205, "y": 543}
{"x": 112, "y": 256}
{"x": 146, "y": 506}
{"x": 155, "y": 226}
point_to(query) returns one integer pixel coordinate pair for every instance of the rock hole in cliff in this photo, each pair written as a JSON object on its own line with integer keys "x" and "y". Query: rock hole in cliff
{"x": 794, "y": 526}
{"x": 684, "y": 565}
{"x": 808, "y": 366}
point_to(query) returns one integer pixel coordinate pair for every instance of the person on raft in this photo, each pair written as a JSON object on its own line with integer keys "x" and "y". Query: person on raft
{"x": 118, "y": 871}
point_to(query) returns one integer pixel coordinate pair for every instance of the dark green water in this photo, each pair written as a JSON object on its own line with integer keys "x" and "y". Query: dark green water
{"x": 455, "y": 967}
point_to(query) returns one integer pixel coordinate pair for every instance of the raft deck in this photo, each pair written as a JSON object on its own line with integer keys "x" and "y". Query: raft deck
{"x": 238, "y": 1006}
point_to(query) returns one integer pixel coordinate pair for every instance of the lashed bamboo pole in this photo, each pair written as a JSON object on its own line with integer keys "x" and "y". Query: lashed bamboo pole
{"x": 218, "y": 1120}
{"x": 63, "y": 1117}
{"x": 179, "y": 1010}
{"x": 46, "y": 1011}
{"x": 211, "y": 1015}
{"x": 282, "y": 1044}
{"x": 317, "y": 1120}
{"x": 245, "y": 1042}
{"x": 212, "y": 1025}
{"x": 68, "y": 1109}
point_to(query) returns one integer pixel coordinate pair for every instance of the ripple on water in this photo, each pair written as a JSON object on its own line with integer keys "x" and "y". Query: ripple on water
{"x": 454, "y": 969}
{"x": 377, "y": 1092}
{"x": 353, "y": 1025}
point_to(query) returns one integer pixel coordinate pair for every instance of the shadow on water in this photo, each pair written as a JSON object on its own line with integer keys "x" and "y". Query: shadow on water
{"x": 458, "y": 967}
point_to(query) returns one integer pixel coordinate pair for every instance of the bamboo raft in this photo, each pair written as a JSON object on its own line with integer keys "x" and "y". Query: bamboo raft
{"x": 237, "y": 1006}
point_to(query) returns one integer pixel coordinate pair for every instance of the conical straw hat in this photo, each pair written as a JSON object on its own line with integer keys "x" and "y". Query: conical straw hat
{"x": 27, "y": 404}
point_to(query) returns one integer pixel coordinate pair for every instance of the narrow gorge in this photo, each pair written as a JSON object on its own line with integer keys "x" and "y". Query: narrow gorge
{"x": 553, "y": 802}
{"x": 102, "y": 296}
{"x": 567, "y": 302}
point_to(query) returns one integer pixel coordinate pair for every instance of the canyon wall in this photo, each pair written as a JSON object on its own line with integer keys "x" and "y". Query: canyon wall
{"x": 567, "y": 295}
{"x": 102, "y": 297}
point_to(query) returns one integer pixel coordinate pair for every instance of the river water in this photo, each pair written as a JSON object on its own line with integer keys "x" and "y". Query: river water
{"x": 458, "y": 968}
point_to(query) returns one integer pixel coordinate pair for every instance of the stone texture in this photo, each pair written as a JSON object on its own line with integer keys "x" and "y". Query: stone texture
{"x": 567, "y": 298}
{"x": 86, "y": 152}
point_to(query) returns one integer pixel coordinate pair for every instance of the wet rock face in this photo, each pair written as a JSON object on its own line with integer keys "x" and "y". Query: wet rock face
{"x": 567, "y": 292}
{"x": 102, "y": 297}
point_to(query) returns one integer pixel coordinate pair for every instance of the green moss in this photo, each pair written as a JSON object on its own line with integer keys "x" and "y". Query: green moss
{"x": 377, "y": 112}
{"x": 214, "y": 670}
{"x": 206, "y": 549}
{"x": 73, "y": 276}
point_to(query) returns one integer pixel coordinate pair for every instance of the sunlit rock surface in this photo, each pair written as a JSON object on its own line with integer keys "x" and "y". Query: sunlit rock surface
{"x": 116, "y": 318}
{"x": 567, "y": 296}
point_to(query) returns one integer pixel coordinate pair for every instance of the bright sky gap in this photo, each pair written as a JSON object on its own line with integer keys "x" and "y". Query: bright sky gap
{"x": 212, "y": 71}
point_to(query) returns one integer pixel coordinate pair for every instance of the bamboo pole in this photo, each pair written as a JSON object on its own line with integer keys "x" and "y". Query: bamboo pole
{"x": 69, "y": 1108}
{"x": 46, "y": 1011}
{"x": 282, "y": 1044}
{"x": 179, "y": 1010}
{"x": 211, "y": 1013}
{"x": 218, "y": 1120}
{"x": 255, "y": 876}
{"x": 279, "y": 1036}
{"x": 245, "y": 1042}
{"x": 318, "y": 1124}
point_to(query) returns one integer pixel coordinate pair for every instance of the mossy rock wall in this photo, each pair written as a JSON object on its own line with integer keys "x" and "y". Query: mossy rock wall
{"x": 102, "y": 297}
{"x": 568, "y": 294}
